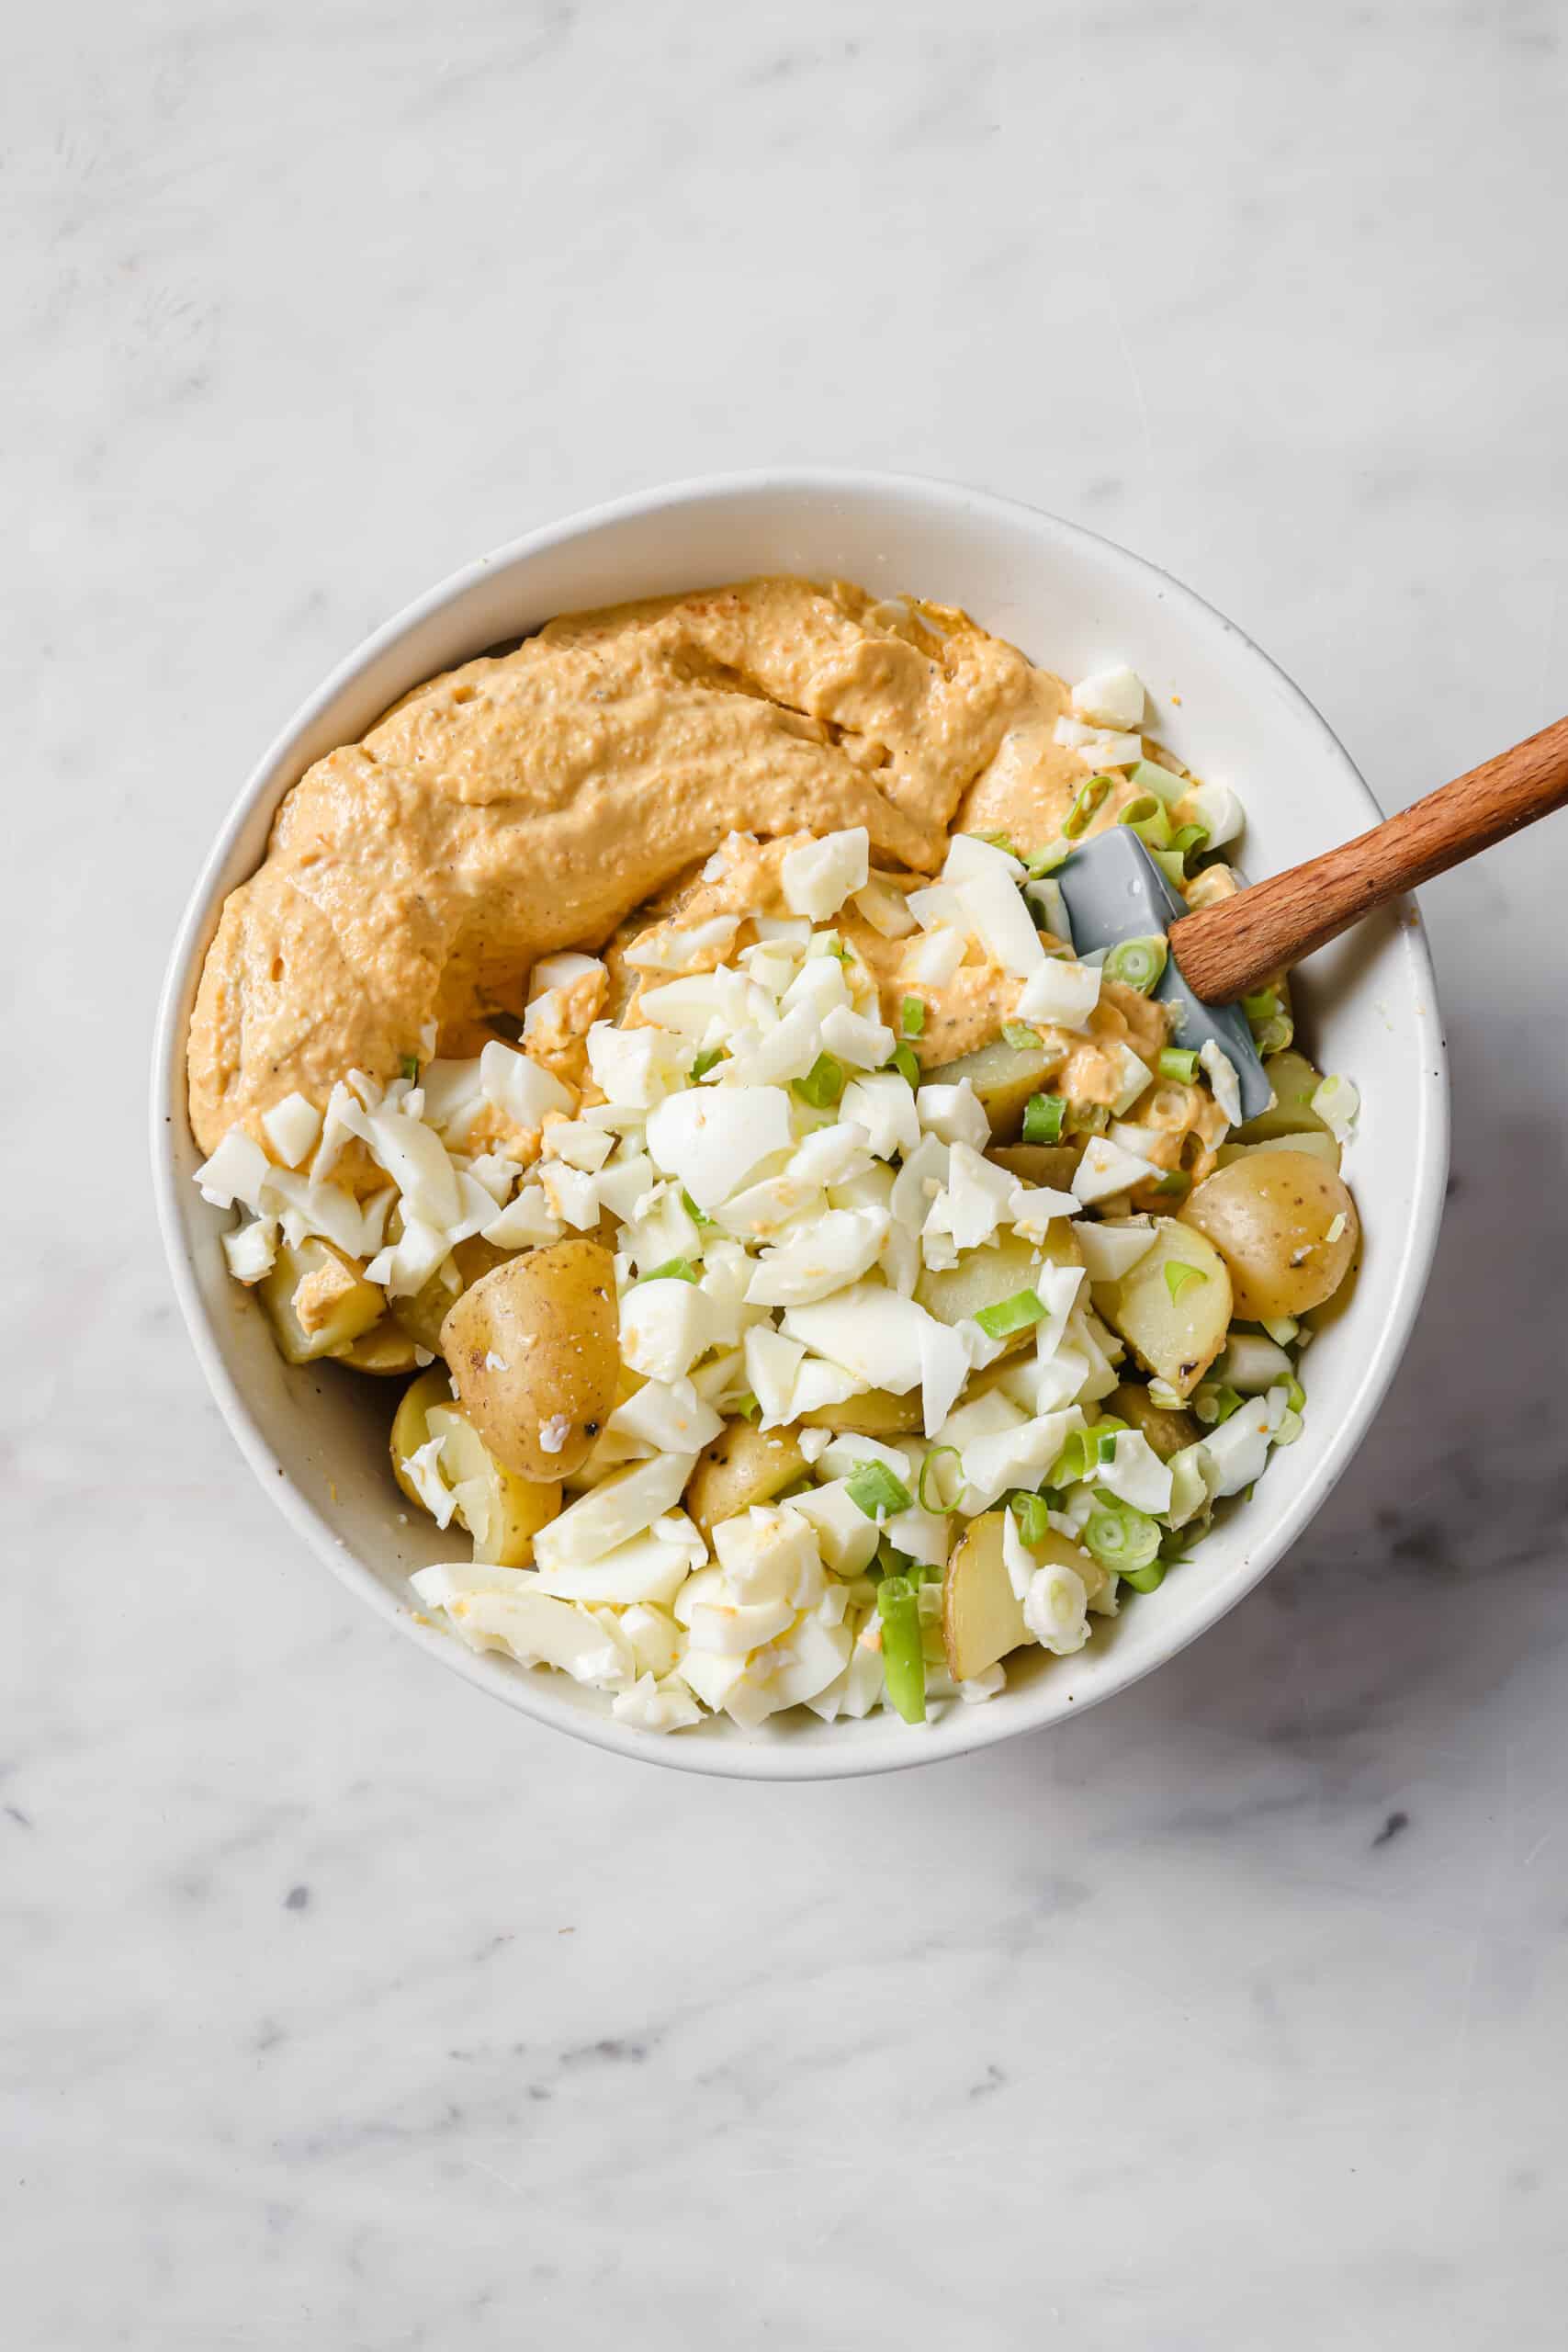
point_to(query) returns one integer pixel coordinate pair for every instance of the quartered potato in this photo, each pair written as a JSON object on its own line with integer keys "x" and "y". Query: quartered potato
{"x": 1175, "y": 1325}
{"x": 982, "y": 1618}
{"x": 1316, "y": 1142}
{"x": 875, "y": 1413}
{"x": 410, "y": 1423}
{"x": 1003, "y": 1078}
{"x": 502, "y": 1512}
{"x": 1166, "y": 1431}
{"x": 1270, "y": 1216}
{"x": 1052, "y": 1165}
{"x": 384, "y": 1349}
{"x": 1295, "y": 1082}
{"x": 741, "y": 1467}
{"x": 985, "y": 1277}
{"x": 318, "y": 1301}
{"x": 533, "y": 1353}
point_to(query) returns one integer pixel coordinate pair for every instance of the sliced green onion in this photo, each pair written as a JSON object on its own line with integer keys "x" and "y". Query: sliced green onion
{"x": 1172, "y": 865}
{"x": 1090, "y": 796}
{"x": 1186, "y": 837}
{"x": 1105, "y": 1447}
{"x": 410, "y": 1066}
{"x": 1019, "y": 1036}
{"x": 1150, "y": 820}
{"x": 933, "y": 1500}
{"x": 890, "y": 1562}
{"x": 1290, "y": 1428}
{"x": 1282, "y": 1329}
{"x": 1263, "y": 1006}
{"x": 1071, "y": 1463}
{"x": 913, "y": 1018}
{"x": 706, "y": 1060}
{"x": 1137, "y": 963}
{"x": 1122, "y": 1538}
{"x": 903, "y": 1061}
{"x": 1179, "y": 1276}
{"x": 674, "y": 1269}
{"x": 697, "y": 1216}
{"x": 1295, "y": 1397}
{"x": 999, "y": 840}
{"x": 1178, "y": 1062}
{"x": 873, "y": 1489}
{"x": 823, "y": 1083}
{"x": 1174, "y": 1181}
{"x": 1214, "y": 1403}
{"x": 1275, "y": 1035}
{"x": 1046, "y": 861}
{"x": 1032, "y": 1514}
{"x": 1042, "y": 1116}
{"x": 903, "y": 1651}
{"x": 1145, "y": 1579}
{"x": 747, "y": 1407}
{"x": 1149, "y": 776}
{"x": 1017, "y": 1313}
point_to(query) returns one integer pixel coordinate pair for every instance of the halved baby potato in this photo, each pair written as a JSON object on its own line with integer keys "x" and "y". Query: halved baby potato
{"x": 741, "y": 1467}
{"x": 533, "y": 1350}
{"x": 985, "y": 1277}
{"x": 411, "y": 1423}
{"x": 1003, "y": 1078}
{"x": 1272, "y": 1217}
{"x": 318, "y": 1301}
{"x": 1294, "y": 1081}
{"x": 1174, "y": 1322}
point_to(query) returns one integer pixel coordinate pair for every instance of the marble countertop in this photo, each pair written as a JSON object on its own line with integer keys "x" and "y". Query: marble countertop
{"x": 342, "y": 2008}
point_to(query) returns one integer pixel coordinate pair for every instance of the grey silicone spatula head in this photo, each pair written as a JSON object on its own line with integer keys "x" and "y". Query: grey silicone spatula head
{"x": 1114, "y": 890}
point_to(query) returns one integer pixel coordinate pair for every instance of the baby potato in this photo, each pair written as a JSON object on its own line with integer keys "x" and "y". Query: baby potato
{"x": 502, "y": 1513}
{"x": 1294, "y": 1081}
{"x": 423, "y": 1313}
{"x": 986, "y": 1277}
{"x": 876, "y": 1412}
{"x": 533, "y": 1353}
{"x": 1316, "y": 1142}
{"x": 384, "y": 1349}
{"x": 1166, "y": 1432}
{"x": 1053, "y": 1165}
{"x": 1270, "y": 1216}
{"x": 318, "y": 1301}
{"x": 410, "y": 1423}
{"x": 982, "y": 1617}
{"x": 1003, "y": 1078}
{"x": 1173, "y": 1307}
{"x": 741, "y": 1467}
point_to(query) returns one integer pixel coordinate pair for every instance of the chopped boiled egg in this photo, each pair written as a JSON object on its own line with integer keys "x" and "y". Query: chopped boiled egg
{"x": 1111, "y": 697}
{"x": 818, "y": 878}
{"x": 711, "y": 1140}
{"x": 1059, "y": 991}
{"x": 1105, "y": 1170}
{"x": 665, "y": 1326}
{"x": 953, "y": 1114}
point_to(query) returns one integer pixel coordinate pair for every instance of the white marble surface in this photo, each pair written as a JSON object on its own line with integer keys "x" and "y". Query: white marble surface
{"x": 344, "y": 2009}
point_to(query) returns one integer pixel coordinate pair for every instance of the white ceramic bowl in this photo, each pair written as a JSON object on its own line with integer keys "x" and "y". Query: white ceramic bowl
{"x": 316, "y": 1437}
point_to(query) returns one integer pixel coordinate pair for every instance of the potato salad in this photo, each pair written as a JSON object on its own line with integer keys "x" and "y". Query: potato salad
{"x": 833, "y": 1287}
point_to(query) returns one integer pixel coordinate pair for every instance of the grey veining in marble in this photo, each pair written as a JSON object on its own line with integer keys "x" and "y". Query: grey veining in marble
{"x": 342, "y": 2009}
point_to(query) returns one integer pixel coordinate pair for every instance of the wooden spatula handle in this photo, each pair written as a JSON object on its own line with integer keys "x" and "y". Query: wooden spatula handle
{"x": 1227, "y": 949}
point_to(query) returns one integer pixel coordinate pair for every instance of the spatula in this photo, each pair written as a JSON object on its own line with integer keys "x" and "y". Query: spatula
{"x": 1114, "y": 890}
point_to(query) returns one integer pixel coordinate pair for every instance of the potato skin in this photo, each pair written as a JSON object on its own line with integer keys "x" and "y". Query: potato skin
{"x": 1177, "y": 1338}
{"x": 535, "y": 1342}
{"x": 1166, "y": 1431}
{"x": 1269, "y": 1216}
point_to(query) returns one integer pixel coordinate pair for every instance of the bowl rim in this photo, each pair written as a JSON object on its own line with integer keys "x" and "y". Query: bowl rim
{"x": 528, "y": 1693}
